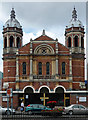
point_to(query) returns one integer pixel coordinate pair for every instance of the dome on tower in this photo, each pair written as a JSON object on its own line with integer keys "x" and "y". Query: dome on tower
{"x": 74, "y": 22}
{"x": 12, "y": 22}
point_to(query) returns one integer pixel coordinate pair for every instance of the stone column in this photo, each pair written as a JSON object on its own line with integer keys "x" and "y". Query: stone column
{"x": 31, "y": 68}
{"x": 70, "y": 66}
{"x": 15, "y": 41}
{"x": 72, "y": 40}
{"x": 79, "y": 40}
{"x": 31, "y": 62}
{"x": 17, "y": 68}
{"x": 17, "y": 73}
{"x": 80, "y": 43}
{"x": 56, "y": 65}
{"x": 70, "y": 73}
{"x": 7, "y": 40}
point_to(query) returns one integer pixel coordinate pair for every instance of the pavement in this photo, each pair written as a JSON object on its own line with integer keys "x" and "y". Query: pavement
{"x": 25, "y": 116}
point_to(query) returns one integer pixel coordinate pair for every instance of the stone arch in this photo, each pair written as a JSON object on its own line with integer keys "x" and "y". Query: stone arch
{"x": 18, "y": 42}
{"x": 69, "y": 41}
{"x": 11, "y": 41}
{"x": 44, "y": 49}
{"x": 42, "y": 88}
{"x": 5, "y": 42}
{"x": 76, "y": 41}
{"x": 30, "y": 89}
{"x": 59, "y": 86}
{"x": 60, "y": 91}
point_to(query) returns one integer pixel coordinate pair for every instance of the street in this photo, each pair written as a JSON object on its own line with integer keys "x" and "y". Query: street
{"x": 40, "y": 117}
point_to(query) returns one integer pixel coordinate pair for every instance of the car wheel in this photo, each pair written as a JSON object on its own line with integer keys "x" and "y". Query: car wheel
{"x": 70, "y": 112}
{"x": 29, "y": 112}
{"x": 8, "y": 112}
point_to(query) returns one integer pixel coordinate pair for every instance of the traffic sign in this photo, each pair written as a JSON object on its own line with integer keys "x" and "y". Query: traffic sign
{"x": 9, "y": 92}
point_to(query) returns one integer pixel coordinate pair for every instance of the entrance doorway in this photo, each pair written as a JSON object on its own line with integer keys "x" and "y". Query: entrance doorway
{"x": 60, "y": 93}
{"x": 35, "y": 98}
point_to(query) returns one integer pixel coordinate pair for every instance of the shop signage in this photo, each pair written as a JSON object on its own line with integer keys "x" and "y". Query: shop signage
{"x": 82, "y": 99}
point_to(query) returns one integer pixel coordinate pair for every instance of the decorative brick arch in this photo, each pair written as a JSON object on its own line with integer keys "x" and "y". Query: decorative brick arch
{"x": 59, "y": 86}
{"x": 42, "y": 46}
{"x": 43, "y": 87}
{"x": 28, "y": 87}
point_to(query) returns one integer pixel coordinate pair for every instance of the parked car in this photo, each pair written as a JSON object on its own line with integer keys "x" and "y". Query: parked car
{"x": 76, "y": 109}
{"x": 6, "y": 111}
{"x": 36, "y": 108}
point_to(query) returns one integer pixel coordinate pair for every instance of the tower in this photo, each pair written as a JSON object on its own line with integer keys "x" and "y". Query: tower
{"x": 74, "y": 34}
{"x": 74, "y": 40}
{"x": 12, "y": 41}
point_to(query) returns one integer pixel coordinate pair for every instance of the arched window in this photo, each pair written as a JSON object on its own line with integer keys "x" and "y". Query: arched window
{"x": 24, "y": 67}
{"x": 11, "y": 41}
{"x": 63, "y": 67}
{"x": 82, "y": 42}
{"x": 40, "y": 68}
{"x": 5, "y": 42}
{"x": 69, "y": 41}
{"x": 76, "y": 41}
{"x": 47, "y": 68}
{"x": 18, "y": 42}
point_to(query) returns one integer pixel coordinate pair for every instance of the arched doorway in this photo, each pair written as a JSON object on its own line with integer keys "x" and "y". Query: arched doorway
{"x": 28, "y": 90}
{"x": 44, "y": 90}
{"x": 28, "y": 95}
{"x": 59, "y": 91}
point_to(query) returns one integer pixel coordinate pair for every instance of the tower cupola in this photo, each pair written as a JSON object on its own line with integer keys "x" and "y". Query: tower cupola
{"x": 12, "y": 22}
{"x": 12, "y": 34}
{"x": 74, "y": 22}
{"x": 74, "y": 34}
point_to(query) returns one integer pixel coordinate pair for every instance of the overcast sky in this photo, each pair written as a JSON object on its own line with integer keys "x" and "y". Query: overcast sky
{"x": 36, "y": 16}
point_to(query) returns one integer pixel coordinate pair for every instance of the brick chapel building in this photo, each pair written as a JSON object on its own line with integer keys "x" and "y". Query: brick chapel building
{"x": 44, "y": 65}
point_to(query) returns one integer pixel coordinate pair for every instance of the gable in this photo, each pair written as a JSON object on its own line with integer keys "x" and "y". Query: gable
{"x": 25, "y": 49}
{"x": 44, "y": 37}
{"x": 62, "y": 49}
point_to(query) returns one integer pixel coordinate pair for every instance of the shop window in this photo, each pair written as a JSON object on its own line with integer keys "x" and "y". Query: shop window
{"x": 11, "y": 41}
{"x": 47, "y": 68}
{"x": 40, "y": 68}
{"x": 69, "y": 41}
{"x": 63, "y": 67}
{"x": 24, "y": 67}
{"x": 76, "y": 41}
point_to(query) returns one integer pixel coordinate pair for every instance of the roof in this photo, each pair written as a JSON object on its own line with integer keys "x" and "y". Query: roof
{"x": 12, "y": 22}
{"x": 74, "y": 22}
{"x": 44, "y": 37}
{"x": 47, "y": 38}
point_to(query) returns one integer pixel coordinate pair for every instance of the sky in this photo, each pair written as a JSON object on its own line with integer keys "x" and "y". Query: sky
{"x": 36, "y": 16}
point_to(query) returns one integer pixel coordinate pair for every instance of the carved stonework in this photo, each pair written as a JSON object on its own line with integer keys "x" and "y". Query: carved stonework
{"x": 44, "y": 49}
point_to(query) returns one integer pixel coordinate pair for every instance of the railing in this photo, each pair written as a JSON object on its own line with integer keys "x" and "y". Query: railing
{"x": 44, "y": 77}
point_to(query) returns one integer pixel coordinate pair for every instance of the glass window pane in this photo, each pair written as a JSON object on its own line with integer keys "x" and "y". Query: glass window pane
{"x": 63, "y": 68}
{"x": 24, "y": 67}
{"x": 47, "y": 68}
{"x": 40, "y": 68}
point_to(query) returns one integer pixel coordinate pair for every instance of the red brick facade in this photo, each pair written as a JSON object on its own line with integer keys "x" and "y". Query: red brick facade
{"x": 45, "y": 50}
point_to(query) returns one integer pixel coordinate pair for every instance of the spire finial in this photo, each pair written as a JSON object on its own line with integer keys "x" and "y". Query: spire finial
{"x": 43, "y": 33}
{"x": 74, "y": 15}
{"x": 12, "y": 13}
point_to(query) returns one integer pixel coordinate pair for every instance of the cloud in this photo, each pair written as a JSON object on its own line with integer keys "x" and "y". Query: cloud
{"x": 28, "y": 36}
{"x": 36, "y": 16}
